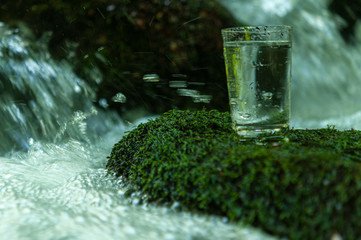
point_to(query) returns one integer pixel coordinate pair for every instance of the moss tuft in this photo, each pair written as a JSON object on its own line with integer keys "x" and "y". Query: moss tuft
{"x": 306, "y": 188}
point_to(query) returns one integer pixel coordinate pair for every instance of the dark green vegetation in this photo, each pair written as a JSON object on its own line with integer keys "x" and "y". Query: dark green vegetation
{"x": 308, "y": 187}
{"x": 177, "y": 40}
{"x": 350, "y": 12}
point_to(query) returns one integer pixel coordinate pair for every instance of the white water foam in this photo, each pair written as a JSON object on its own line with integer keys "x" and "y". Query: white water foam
{"x": 61, "y": 191}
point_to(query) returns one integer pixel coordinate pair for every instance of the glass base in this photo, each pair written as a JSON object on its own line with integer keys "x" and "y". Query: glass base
{"x": 271, "y": 132}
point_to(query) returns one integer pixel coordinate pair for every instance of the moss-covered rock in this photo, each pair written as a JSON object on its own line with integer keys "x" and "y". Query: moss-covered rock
{"x": 308, "y": 187}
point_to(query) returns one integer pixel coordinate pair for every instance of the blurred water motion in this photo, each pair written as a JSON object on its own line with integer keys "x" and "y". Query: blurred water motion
{"x": 178, "y": 84}
{"x": 202, "y": 98}
{"x": 151, "y": 78}
{"x": 188, "y": 92}
{"x": 39, "y": 94}
{"x": 326, "y": 70}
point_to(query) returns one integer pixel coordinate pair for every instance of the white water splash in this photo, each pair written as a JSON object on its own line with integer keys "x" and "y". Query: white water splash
{"x": 61, "y": 191}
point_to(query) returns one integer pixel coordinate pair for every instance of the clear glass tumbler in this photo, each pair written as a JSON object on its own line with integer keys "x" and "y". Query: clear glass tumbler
{"x": 258, "y": 63}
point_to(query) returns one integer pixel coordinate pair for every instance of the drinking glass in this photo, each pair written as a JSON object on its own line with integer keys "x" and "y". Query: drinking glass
{"x": 258, "y": 63}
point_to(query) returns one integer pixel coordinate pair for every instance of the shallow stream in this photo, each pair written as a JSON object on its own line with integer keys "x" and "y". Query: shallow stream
{"x": 61, "y": 191}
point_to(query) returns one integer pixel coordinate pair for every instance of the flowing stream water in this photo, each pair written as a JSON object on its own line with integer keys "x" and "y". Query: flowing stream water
{"x": 53, "y": 149}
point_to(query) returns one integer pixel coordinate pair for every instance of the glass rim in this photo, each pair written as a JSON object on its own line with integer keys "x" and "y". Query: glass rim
{"x": 257, "y": 28}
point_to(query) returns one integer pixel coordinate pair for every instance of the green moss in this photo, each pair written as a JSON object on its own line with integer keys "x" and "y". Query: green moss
{"x": 306, "y": 188}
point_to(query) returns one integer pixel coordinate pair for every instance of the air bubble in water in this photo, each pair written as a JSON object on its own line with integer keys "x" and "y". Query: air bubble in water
{"x": 77, "y": 89}
{"x": 245, "y": 115}
{"x": 267, "y": 95}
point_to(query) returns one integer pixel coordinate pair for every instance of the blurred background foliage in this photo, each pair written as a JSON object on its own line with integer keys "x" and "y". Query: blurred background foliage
{"x": 350, "y": 12}
{"x": 145, "y": 50}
